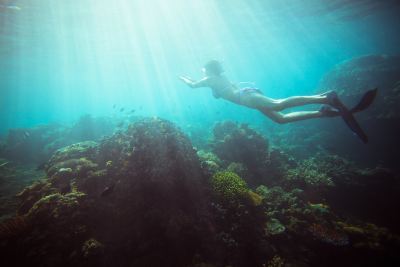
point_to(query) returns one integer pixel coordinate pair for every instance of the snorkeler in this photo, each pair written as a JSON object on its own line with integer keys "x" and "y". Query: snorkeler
{"x": 255, "y": 99}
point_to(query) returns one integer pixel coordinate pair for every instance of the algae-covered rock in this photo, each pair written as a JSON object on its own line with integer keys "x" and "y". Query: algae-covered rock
{"x": 210, "y": 163}
{"x": 239, "y": 143}
{"x": 138, "y": 191}
{"x": 82, "y": 150}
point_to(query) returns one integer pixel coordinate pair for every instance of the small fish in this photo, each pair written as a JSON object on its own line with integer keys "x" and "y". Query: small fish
{"x": 26, "y": 135}
{"x": 109, "y": 189}
{"x": 122, "y": 109}
{"x": 133, "y": 111}
{"x": 4, "y": 164}
{"x": 11, "y": 7}
{"x": 120, "y": 124}
{"x": 114, "y": 106}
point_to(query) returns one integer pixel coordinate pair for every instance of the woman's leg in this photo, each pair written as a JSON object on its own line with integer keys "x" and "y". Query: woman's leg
{"x": 291, "y": 117}
{"x": 294, "y": 101}
{"x": 260, "y": 101}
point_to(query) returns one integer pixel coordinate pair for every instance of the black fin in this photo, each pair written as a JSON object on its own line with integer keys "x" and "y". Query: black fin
{"x": 351, "y": 122}
{"x": 367, "y": 99}
{"x": 354, "y": 126}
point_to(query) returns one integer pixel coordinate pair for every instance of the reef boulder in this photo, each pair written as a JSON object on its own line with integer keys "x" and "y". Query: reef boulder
{"x": 240, "y": 144}
{"x": 136, "y": 198}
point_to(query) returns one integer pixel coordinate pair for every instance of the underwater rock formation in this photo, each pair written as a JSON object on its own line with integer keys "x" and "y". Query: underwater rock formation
{"x": 238, "y": 143}
{"x": 136, "y": 193}
{"x": 351, "y": 79}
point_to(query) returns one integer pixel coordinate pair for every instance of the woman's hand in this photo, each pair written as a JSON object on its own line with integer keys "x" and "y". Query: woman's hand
{"x": 186, "y": 80}
{"x": 194, "y": 84}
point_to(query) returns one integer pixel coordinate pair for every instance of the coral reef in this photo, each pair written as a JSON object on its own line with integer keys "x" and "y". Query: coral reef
{"x": 145, "y": 197}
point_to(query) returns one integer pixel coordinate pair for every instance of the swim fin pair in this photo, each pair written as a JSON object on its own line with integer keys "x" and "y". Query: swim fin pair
{"x": 347, "y": 114}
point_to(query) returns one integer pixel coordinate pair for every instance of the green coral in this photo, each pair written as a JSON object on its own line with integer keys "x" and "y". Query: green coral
{"x": 228, "y": 185}
{"x": 274, "y": 227}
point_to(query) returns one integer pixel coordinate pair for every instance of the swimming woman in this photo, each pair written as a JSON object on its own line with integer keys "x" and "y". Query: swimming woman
{"x": 253, "y": 97}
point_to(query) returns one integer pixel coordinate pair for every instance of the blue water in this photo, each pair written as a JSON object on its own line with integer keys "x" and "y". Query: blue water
{"x": 62, "y": 59}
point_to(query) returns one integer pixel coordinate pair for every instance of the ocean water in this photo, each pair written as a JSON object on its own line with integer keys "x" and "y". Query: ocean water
{"x": 83, "y": 70}
{"x": 63, "y": 59}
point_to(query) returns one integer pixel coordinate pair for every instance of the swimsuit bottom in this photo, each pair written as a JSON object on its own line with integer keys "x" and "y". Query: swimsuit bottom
{"x": 248, "y": 90}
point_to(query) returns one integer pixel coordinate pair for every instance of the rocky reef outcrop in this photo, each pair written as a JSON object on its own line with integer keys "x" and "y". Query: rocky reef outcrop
{"x": 239, "y": 144}
{"x": 137, "y": 193}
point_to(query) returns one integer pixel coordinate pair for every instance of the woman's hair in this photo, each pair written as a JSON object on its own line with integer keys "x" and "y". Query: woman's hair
{"x": 214, "y": 67}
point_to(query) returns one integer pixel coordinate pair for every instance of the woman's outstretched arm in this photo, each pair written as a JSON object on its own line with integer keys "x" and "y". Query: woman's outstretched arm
{"x": 190, "y": 82}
